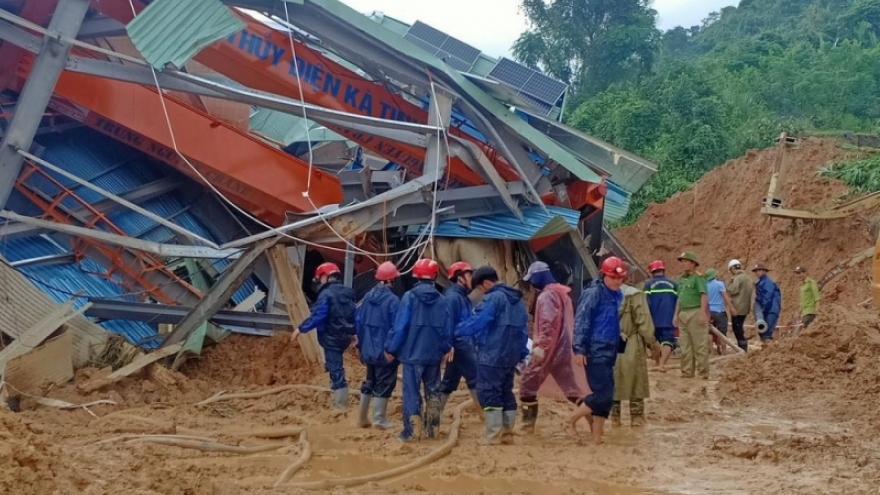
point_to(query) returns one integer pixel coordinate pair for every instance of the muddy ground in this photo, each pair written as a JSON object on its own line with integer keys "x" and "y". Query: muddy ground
{"x": 798, "y": 416}
{"x": 751, "y": 434}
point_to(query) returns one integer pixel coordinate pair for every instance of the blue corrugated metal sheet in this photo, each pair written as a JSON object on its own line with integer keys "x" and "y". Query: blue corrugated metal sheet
{"x": 119, "y": 169}
{"x": 507, "y": 226}
{"x": 175, "y": 30}
{"x": 616, "y": 202}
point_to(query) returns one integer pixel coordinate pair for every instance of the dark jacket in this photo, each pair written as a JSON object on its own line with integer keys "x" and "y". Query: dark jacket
{"x": 662, "y": 296}
{"x": 375, "y": 319}
{"x": 597, "y": 322}
{"x": 768, "y": 296}
{"x": 422, "y": 333}
{"x": 333, "y": 316}
{"x": 500, "y": 325}
{"x": 459, "y": 308}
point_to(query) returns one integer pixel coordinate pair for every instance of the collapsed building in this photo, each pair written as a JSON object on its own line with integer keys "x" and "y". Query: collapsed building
{"x": 174, "y": 171}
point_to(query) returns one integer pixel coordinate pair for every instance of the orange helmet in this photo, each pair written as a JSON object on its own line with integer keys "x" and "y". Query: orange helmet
{"x": 458, "y": 266}
{"x": 426, "y": 269}
{"x": 656, "y": 266}
{"x": 386, "y": 272}
{"x": 326, "y": 269}
{"x": 614, "y": 267}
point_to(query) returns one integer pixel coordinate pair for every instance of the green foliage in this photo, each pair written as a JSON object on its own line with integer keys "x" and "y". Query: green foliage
{"x": 732, "y": 84}
{"x": 862, "y": 175}
{"x": 589, "y": 43}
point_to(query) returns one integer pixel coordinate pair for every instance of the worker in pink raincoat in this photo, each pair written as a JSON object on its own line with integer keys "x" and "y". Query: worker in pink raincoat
{"x": 551, "y": 343}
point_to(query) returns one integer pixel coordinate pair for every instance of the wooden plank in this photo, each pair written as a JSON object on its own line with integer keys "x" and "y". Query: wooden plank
{"x": 138, "y": 364}
{"x": 34, "y": 336}
{"x": 288, "y": 276}
{"x": 50, "y": 362}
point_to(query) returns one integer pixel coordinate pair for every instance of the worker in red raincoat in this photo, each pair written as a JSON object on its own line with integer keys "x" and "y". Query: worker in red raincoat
{"x": 551, "y": 348}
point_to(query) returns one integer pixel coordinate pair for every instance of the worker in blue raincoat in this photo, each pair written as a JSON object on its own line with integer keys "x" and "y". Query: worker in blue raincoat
{"x": 500, "y": 325}
{"x": 597, "y": 340}
{"x": 333, "y": 317}
{"x": 421, "y": 340}
{"x": 769, "y": 298}
{"x": 375, "y": 319}
{"x": 463, "y": 363}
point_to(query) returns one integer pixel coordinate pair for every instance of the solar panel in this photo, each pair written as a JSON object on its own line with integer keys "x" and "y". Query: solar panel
{"x": 426, "y": 33}
{"x": 424, "y": 45}
{"x": 461, "y": 50}
{"x": 544, "y": 88}
{"x": 530, "y": 82}
{"x": 466, "y": 54}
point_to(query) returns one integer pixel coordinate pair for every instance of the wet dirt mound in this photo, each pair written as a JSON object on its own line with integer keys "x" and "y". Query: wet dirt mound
{"x": 242, "y": 360}
{"x": 834, "y": 362}
{"x": 719, "y": 218}
{"x": 27, "y": 458}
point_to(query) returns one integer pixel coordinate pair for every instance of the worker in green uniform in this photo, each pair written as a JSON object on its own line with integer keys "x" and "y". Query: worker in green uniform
{"x": 692, "y": 318}
{"x": 809, "y": 296}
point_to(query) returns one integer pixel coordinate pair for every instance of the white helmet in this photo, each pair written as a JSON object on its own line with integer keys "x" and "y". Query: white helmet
{"x": 733, "y": 263}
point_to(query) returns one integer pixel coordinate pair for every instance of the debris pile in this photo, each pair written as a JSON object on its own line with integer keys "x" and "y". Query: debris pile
{"x": 835, "y": 362}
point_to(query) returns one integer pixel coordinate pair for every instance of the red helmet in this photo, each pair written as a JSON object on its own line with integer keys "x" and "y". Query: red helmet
{"x": 656, "y": 266}
{"x": 386, "y": 272}
{"x": 426, "y": 269}
{"x": 458, "y": 266}
{"x": 614, "y": 267}
{"x": 326, "y": 269}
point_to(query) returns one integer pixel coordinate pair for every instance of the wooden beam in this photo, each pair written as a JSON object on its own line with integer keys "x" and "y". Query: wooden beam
{"x": 289, "y": 276}
{"x": 131, "y": 368}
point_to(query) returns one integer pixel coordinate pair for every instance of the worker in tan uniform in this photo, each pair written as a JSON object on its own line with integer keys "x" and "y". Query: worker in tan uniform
{"x": 740, "y": 290}
{"x": 692, "y": 319}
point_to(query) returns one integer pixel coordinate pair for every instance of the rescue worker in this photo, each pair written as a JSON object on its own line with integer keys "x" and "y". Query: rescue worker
{"x": 463, "y": 363}
{"x": 375, "y": 319}
{"x": 500, "y": 325}
{"x": 719, "y": 304}
{"x": 740, "y": 291}
{"x": 809, "y": 298}
{"x": 662, "y": 295}
{"x": 596, "y": 343}
{"x": 768, "y": 298}
{"x": 333, "y": 317}
{"x": 692, "y": 319}
{"x": 421, "y": 340}
{"x": 551, "y": 343}
{"x": 631, "y": 368}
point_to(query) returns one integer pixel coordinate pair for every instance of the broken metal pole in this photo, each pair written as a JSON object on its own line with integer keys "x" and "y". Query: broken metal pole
{"x": 38, "y": 90}
{"x": 214, "y": 299}
{"x": 348, "y": 270}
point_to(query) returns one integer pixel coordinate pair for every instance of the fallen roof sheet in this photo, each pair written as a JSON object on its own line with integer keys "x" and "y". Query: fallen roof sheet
{"x": 173, "y": 31}
{"x": 506, "y": 226}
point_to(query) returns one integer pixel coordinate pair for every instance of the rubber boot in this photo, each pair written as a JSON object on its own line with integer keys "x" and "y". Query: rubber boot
{"x": 637, "y": 412}
{"x": 615, "y": 414}
{"x": 476, "y": 400}
{"x": 380, "y": 411}
{"x": 743, "y": 344}
{"x": 364, "y": 411}
{"x": 432, "y": 416}
{"x": 494, "y": 426}
{"x": 508, "y": 422}
{"x": 340, "y": 398}
{"x": 529, "y": 416}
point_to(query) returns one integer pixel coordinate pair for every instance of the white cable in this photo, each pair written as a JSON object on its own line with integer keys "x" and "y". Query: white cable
{"x": 231, "y": 203}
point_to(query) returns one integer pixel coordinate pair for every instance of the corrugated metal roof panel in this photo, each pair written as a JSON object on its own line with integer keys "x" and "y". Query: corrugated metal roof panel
{"x": 175, "y": 30}
{"x": 507, "y": 226}
{"x": 616, "y": 202}
{"x": 27, "y": 304}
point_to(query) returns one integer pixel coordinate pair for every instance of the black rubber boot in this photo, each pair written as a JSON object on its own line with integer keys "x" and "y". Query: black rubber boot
{"x": 529, "y": 416}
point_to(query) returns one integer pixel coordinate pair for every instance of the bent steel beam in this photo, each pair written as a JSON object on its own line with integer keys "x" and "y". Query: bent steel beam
{"x": 37, "y": 91}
